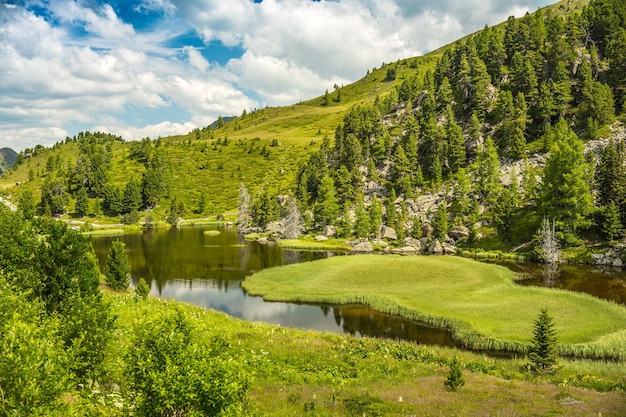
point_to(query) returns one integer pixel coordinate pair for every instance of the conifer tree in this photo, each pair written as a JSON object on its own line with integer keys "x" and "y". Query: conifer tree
{"x": 612, "y": 225}
{"x": 142, "y": 290}
{"x": 326, "y": 209}
{"x": 566, "y": 195}
{"x": 455, "y": 379}
{"x": 390, "y": 211}
{"x": 117, "y": 269}
{"x": 440, "y": 221}
{"x": 362, "y": 221}
{"x": 486, "y": 173}
{"x": 461, "y": 203}
{"x": 82, "y": 203}
{"x": 376, "y": 215}
{"x": 542, "y": 352}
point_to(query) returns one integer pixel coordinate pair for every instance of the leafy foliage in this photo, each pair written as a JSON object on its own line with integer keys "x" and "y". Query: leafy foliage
{"x": 174, "y": 372}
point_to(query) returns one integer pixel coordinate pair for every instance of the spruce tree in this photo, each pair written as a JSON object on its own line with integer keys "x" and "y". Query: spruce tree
{"x": 117, "y": 269}
{"x": 142, "y": 290}
{"x": 326, "y": 209}
{"x": 440, "y": 222}
{"x": 455, "y": 379}
{"x": 612, "y": 225}
{"x": 376, "y": 215}
{"x": 82, "y": 203}
{"x": 542, "y": 352}
{"x": 566, "y": 195}
{"x": 362, "y": 221}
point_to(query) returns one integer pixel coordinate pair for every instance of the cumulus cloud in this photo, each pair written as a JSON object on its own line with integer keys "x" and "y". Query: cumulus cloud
{"x": 153, "y": 131}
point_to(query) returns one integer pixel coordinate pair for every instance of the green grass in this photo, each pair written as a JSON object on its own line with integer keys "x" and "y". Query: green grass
{"x": 294, "y": 370}
{"x": 479, "y": 302}
{"x": 104, "y": 232}
{"x": 310, "y": 244}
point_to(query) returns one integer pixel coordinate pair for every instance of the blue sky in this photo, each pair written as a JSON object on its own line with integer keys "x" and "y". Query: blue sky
{"x": 153, "y": 68}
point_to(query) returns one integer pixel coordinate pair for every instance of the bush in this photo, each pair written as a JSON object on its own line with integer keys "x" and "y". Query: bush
{"x": 172, "y": 371}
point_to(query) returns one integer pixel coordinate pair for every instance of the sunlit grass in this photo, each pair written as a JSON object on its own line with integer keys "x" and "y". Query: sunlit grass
{"x": 479, "y": 302}
{"x": 343, "y": 375}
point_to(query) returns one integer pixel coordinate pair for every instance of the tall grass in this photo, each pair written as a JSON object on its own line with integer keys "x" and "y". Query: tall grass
{"x": 479, "y": 303}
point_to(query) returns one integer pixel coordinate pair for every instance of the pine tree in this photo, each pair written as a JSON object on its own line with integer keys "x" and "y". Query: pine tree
{"x": 440, "y": 221}
{"x": 612, "y": 225}
{"x": 566, "y": 195}
{"x": 142, "y": 290}
{"x": 542, "y": 352}
{"x": 326, "y": 209}
{"x": 390, "y": 209}
{"x": 293, "y": 223}
{"x": 82, "y": 203}
{"x": 376, "y": 216}
{"x": 362, "y": 221}
{"x": 455, "y": 379}
{"x": 461, "y": 202}
{"x": 117, "y": 269}
{"x": 486, "y": 172}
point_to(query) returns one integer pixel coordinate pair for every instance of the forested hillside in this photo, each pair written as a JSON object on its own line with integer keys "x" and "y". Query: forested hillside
{"x": 493, "y": 133}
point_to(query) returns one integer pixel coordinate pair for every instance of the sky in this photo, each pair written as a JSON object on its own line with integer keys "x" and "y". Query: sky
{"x": 150, "y": 68}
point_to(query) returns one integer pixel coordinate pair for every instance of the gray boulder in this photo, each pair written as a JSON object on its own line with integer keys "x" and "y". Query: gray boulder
{"x": 448, "y": 249}
{"x": 363, "y": 247}
{"x": 459, "y": 232}
{"x": 436, "y": 247}
{"x": 387, "y": 232}
{"x": 427, "y": 230}
{"x": 321, "y": 238}
{"x": 405, "y": 250}
{"x": 330, "y": 231}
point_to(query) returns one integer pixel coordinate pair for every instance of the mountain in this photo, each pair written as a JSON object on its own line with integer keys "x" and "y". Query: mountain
{"x": 448, "y": 127}
{"x": 7, "y": 159}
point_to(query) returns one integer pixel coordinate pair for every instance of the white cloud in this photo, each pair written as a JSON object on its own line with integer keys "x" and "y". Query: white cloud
{"x": 153, "y": 131}
{"x": 196, "y": 59}
{"x": 19, "y": 139}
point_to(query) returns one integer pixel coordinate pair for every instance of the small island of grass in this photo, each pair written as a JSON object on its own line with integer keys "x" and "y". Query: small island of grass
{"x": 479, "y": 302}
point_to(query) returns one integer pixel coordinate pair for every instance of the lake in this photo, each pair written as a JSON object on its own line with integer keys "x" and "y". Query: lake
{"x": 190, "y": 265}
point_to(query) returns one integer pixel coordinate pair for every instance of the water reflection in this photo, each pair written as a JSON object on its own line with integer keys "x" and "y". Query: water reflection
{"x": 207, "y": 270}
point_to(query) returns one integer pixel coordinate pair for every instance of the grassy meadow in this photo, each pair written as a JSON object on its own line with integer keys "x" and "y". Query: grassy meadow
{"x": 296, "y": 372}
{"x": 479, "y": 302}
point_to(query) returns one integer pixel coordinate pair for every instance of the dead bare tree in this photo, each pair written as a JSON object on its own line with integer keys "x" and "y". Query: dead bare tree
{"x": 549, "y": 249}
{"x": 293, "y": 223}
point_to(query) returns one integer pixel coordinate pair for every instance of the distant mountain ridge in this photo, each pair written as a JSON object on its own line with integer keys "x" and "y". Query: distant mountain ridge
{"x": 7, "y": 159}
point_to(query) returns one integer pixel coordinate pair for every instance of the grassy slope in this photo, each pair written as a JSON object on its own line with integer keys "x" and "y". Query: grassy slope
{"x": 344, "y": 376}
{"x": 469, "y": 296}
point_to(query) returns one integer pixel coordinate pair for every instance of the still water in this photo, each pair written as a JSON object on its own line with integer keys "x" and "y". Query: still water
{"x": 207, "y": 270}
